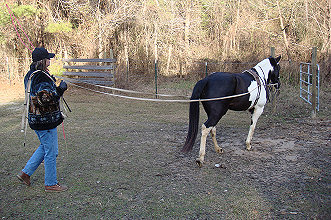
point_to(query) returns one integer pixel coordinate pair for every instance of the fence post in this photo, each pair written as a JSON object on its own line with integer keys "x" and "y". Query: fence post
{"x": 313, "y": 75}
{"x": 127, "y": 70}
{"x": 127, "y": 62}
{"x": 206, "y": 69}
{"x": 111, "y": 56}
{"x": 156, "y": 78}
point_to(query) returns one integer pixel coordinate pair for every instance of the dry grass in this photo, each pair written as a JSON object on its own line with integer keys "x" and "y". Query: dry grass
{"x": 123, "y": 161}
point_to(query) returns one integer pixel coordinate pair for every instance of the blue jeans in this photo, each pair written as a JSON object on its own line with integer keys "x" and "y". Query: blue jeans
{"x": 47, "y": 152}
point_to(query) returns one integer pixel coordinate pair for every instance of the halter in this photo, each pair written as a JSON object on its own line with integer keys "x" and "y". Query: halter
{"x": 268, "y": 85}
{"x": 265, "y": 84}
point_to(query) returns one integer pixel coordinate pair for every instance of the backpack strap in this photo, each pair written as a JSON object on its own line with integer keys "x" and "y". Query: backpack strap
{"x": 26, "y": 103}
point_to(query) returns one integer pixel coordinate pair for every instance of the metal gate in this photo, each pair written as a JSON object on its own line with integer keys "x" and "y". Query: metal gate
{"x": 306, "y": 84}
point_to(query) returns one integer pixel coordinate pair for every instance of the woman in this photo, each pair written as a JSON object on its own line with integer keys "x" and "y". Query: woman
{"x": 44, "y": 115}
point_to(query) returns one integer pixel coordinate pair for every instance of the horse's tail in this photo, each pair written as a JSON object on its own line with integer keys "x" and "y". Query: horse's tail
{"x": 194, "y": 116}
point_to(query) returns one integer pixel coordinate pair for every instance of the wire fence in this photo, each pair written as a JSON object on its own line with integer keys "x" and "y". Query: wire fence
{"x": 12, "y": 69}
{"x": 137, "y": 73}
{"x": 131, "y": 73}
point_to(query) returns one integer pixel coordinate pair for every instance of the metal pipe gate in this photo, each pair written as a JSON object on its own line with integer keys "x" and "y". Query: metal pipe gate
{"x": 306, "y": 83}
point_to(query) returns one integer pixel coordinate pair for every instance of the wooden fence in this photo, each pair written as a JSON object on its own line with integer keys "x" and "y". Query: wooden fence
{"x": 95, "y": 71}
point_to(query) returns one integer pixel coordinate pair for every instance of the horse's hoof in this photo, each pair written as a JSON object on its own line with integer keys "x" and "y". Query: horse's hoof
{"x": 199, "y": 162}
{"x": 219, "y": 150}
{"x": 249, "y": 148}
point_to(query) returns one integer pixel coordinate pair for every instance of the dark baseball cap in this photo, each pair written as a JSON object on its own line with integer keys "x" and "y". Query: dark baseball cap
{"x": 41, "y": 53}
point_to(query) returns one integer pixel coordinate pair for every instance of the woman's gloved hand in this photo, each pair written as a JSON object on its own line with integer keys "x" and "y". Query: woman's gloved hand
{"x": 61, "y": 88}
{"x": 63, "y": 85}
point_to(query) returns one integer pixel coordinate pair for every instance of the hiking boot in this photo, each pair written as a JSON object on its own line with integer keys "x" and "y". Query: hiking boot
{"x": 56, "y": 188}
{"x": 24, "y": 178}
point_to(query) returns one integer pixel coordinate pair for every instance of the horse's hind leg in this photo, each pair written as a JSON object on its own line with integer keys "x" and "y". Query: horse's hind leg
{"x": 209, "y": 126}
{"x": 256, "y": 114}
{"x": 204, "y": 133}
{"x": 213, "y": 136}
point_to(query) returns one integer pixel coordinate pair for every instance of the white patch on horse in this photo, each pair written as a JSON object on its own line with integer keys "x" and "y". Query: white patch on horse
{"x": 252, "y": 89}
{"x": 262, "y": 69}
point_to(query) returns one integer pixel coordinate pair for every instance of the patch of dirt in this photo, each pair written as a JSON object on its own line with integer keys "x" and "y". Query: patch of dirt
{"x": 290, "y": 168}
{"x": 10, "y": 92}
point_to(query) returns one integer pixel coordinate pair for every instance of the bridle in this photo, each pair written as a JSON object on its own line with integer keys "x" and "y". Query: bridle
{"x": 271, "y": 86}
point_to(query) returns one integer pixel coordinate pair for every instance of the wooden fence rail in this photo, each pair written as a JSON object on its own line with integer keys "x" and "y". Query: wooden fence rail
{"x": 96, "y": 71}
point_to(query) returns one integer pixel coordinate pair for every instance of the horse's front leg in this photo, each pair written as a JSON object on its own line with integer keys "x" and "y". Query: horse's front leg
{"x": 256, "y": 114}
{"x": 213, "y": 136}
{"x": 204, "y": 133}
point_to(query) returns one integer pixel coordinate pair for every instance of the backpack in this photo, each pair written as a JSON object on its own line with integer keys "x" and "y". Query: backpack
{"x": 42, "y": 103}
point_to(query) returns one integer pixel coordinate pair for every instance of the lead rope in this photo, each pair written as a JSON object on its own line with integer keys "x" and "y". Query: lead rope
{"x": 19, "y": 36}
{"x": 164, "y": 100}
{"x": 153, "y": 100}
{"x": 65, "y": 140}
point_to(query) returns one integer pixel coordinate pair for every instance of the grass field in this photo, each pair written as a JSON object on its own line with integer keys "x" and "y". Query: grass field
{"x": 122, "y": 160}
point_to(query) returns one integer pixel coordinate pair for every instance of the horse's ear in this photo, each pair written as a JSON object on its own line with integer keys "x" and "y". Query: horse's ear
{"x": 278, "y": 59}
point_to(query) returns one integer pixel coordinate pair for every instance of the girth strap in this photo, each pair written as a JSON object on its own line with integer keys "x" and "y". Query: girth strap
{"x": 259, "y": 85}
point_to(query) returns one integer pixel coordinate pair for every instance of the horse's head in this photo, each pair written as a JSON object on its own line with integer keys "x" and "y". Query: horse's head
{"x": 273, "y": 75}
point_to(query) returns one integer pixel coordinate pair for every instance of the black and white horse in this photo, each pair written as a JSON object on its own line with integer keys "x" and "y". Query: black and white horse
{"x": 247, "y": 91}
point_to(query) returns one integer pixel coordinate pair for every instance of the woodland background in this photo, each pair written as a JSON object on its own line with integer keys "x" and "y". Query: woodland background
{"x": 177, "y": 33}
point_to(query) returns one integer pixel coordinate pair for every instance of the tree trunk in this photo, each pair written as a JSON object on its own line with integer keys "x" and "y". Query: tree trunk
{"x": 284, "y": 32}
{"x": 187, "y": 33}
{"x": 100, "y": 43}
{"x": 235, "y": 44}
{"x": 329, "y": 47}
{"x": 169, "y": 59}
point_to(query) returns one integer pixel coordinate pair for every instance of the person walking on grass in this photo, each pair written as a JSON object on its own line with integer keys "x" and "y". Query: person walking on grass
{"x": 44, "y": 115}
